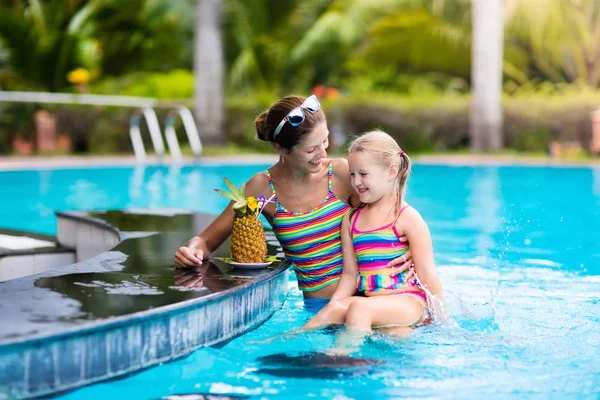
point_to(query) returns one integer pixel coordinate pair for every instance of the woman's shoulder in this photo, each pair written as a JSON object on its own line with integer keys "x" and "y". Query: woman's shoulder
{"x": 340, "y": 168}
{"x": 257, "y": 184}
{"x": 340, "y": 165}
{"x": 341, "y": 179}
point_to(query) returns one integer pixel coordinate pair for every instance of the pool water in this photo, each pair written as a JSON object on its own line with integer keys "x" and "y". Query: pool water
{"x": 32, "y": 197}
{"x": 517, "y": 249}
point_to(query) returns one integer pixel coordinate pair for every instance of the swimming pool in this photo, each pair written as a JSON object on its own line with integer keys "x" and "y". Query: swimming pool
{"x": 517, "y": 248}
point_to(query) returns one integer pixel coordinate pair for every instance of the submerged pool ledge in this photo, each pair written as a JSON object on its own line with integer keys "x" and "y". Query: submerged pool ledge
{"x": 128, "y": 308}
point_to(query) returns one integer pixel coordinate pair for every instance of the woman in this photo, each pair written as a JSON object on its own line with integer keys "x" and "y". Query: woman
{"x": 312, "y": 194}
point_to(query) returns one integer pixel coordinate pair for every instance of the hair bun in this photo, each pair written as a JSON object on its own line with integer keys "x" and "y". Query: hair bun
{"x": 259, "y": 122}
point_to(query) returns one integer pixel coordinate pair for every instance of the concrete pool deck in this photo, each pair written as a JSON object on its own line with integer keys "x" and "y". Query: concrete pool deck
{"x": 50, "y": 162}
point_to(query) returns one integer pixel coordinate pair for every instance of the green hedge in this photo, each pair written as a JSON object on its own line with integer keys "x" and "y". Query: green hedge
{"x": 420, "y": 124}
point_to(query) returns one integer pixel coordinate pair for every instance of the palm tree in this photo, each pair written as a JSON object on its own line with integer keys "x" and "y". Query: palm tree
{"x": 142, "y": 35}
{"x": 209, "y": 71}
{"x": 261, "y": 36}
{"x": 486, "y": 81}
{"x": 378, "y": 40}
{"x": 559, "y": 38}
{"x": 43, "y": 38}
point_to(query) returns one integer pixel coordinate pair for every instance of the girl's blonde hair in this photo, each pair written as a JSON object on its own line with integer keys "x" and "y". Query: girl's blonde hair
{"x": 385, "y": 152}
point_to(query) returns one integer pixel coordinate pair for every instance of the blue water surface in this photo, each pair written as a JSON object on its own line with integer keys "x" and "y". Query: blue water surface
{"x": 517, "y": 249}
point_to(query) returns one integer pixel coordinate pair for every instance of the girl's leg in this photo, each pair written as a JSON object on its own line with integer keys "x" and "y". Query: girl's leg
{"x": 384, "y": 311}
{"x": 332, "y": 313}
{"x": 397, "y": 313}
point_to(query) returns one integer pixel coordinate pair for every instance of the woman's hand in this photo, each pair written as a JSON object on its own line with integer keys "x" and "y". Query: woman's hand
{"x": 403, "y": 263}
{"x": 188, "y": 257}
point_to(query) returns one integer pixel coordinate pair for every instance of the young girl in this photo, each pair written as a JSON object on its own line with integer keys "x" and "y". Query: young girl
{"x": 371, "y": 234}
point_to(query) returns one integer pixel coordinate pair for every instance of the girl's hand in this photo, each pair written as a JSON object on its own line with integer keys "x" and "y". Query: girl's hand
{"x": 188, "y": 257}
{"x": 403, "y": 263}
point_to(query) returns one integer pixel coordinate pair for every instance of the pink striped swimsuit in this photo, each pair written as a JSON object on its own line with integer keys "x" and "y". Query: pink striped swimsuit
{"x": 374, "y": 250}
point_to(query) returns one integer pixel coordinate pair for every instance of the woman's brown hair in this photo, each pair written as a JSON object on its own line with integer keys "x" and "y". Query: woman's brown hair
{"x": 289, "y": 136}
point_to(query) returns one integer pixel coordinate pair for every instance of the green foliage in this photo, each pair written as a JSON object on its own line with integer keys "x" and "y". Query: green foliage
{"x": 13, "y": 122}
{"x": 418, "y": 41}
{"x": 176, "y": 84}
{"x": 559, "y": 38}
{"x": 43, "y": 38}
{"x": 148, "y": 35}
{"x": 16, "y": 119}
{"x": 421, "y": 123}
{"x": 533, "y": 140}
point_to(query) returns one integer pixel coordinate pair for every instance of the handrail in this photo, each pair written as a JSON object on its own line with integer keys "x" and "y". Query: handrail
{"x": 145, "y": 107}
{"x": 190, "y": 129}
{"x": 154, "y": 129}
{"x": 74, "y": 98}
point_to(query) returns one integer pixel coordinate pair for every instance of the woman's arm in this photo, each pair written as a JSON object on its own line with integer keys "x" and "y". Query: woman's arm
{"x": 199, "y": 247}
{"x": 347, "y": 285}
{"x": 419, "y": 238}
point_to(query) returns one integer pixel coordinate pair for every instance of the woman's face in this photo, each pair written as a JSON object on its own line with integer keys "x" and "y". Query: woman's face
{"x": 307, "y": 154}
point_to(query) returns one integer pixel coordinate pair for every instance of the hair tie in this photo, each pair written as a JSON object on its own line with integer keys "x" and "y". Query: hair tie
{"x": 402, "y": 153}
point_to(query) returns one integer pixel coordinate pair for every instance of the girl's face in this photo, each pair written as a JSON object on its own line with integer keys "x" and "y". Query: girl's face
{"x": 307, "y": 155}
{"x": 370, "y": 180}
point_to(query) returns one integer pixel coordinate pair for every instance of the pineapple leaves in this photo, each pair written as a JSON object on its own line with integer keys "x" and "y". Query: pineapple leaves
{"x": 239, "y": 195}
{"x": 227, "y": 194}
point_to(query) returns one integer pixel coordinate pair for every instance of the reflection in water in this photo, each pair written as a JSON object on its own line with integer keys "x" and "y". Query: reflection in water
{"x": 86, "y": 195}
{"x": 154, "y": 189}
{"x": 596, "y": 181}
{"x": 172, "y": 183}
{"x": 136, "y": 186}
{"x": 483, "y": 211}
{"x": 484, "y": 207}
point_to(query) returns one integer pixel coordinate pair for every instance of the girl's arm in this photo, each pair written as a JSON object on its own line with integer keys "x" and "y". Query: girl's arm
{"x": 419, "y": 238}
{"x": 347, "y": 285}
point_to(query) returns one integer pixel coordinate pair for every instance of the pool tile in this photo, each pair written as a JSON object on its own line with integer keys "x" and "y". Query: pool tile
{"x": 41, "y": 370}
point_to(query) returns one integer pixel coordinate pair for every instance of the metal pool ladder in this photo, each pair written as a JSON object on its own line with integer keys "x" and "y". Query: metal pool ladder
{"x": 157, "y": 141}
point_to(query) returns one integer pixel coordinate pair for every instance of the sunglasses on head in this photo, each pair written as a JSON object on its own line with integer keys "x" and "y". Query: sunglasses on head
{"x": 296, "y": 116}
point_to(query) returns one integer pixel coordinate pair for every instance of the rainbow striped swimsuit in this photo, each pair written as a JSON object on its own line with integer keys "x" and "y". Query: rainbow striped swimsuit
{"x": 312, "y": 240}
{"x": 374, "y": 249}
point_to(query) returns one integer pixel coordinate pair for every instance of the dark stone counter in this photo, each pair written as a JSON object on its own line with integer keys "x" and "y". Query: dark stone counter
{"x": 121, "y": 300}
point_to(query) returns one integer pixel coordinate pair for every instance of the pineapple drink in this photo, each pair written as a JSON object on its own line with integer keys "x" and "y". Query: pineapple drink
{"x": 248, "y": 242}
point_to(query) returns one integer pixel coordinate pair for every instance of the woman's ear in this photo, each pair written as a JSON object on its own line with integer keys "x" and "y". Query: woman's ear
{"x": 280, "y": 150}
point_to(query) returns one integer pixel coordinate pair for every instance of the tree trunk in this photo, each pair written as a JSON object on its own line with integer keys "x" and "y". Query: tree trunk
{"x": 208, "y": 72}
{"x": 486, "y": 75}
